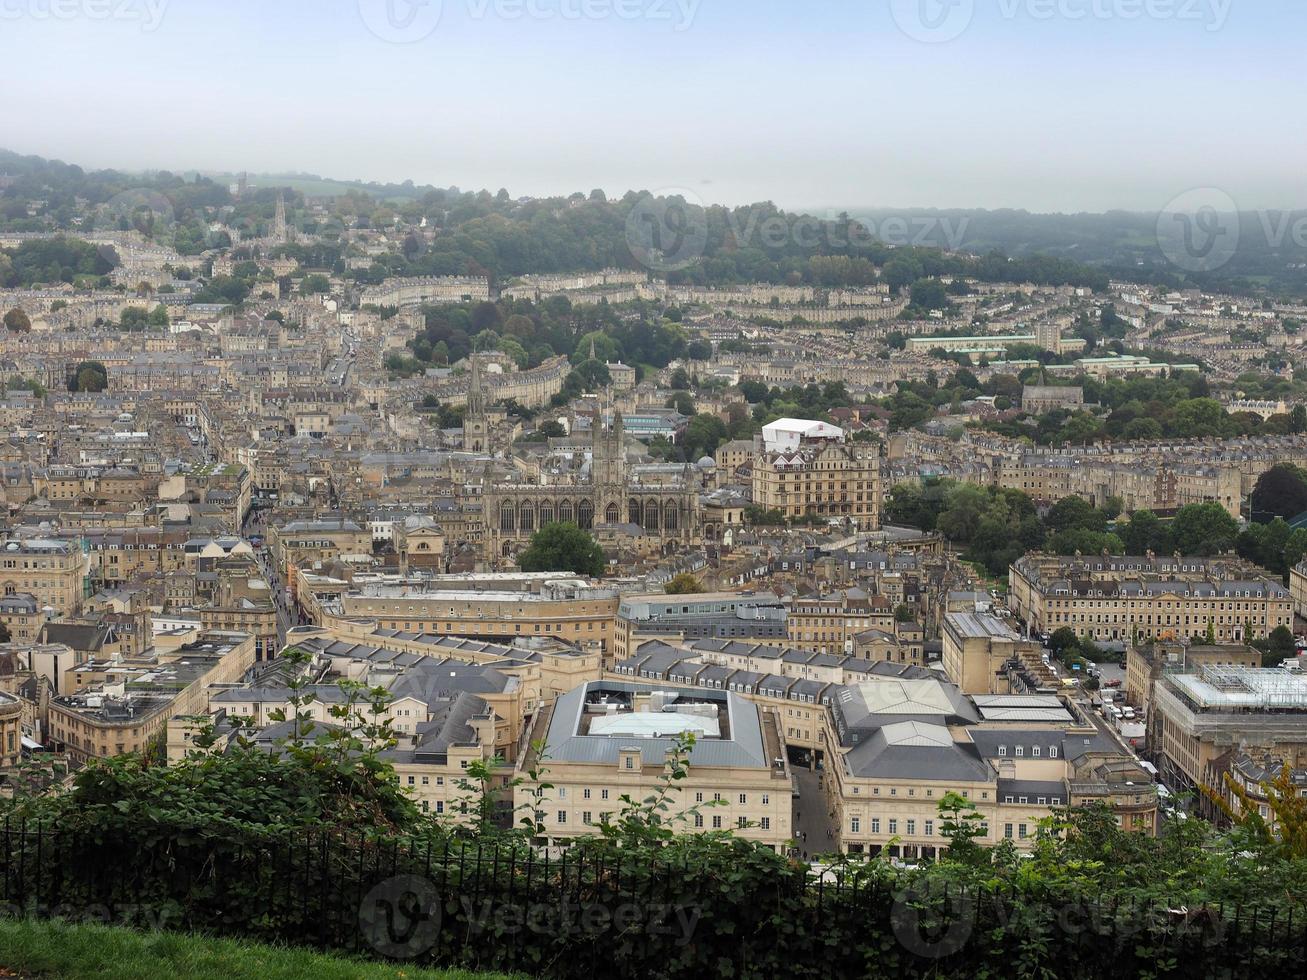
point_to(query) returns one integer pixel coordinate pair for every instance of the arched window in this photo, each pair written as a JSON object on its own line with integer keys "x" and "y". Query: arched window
{"x": 565, "y": 512}
{"x": 527, "y": 518}
{"x": 671, "y": 519}
{"x": 546, "y": 513}
{"x": 651, "y": 515}
{"x": 612, "y": 515}
{"x": 507, "y": 518}
{"x": 633, "y": 511}
{"x": 585, "y": 515}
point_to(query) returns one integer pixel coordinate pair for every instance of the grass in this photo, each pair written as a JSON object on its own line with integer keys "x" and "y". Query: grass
{"x": 46, "y": 949}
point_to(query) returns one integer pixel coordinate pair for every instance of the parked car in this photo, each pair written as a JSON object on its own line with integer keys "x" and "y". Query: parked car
{"x": 1114, "y": 682}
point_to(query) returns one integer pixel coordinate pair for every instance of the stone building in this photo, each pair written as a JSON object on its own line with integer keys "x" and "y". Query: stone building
{"x": 609, "y": 494}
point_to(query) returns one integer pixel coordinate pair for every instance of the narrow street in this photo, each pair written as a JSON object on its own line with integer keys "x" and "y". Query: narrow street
{"x": 814, "y": 833}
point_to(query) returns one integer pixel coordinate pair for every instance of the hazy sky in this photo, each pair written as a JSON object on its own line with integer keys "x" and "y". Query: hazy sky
{"x": 1042, "y": 104}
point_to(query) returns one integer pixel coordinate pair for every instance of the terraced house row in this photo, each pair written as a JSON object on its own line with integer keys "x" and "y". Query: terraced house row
{"x": 1131, "y": 598}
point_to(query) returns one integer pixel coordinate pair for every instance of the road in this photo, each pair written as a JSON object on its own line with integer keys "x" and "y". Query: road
{"x": 813, "y": 830}
{"x": 254, "y": 527}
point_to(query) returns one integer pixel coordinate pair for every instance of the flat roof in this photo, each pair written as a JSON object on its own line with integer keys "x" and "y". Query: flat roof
{"x": 1217, "y": 686}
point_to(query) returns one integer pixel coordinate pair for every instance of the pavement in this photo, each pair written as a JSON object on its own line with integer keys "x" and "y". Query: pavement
{"x": 814, "y": 832}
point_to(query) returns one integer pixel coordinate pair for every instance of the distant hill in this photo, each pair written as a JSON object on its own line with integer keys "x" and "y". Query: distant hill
{"x": 499, "y": 235}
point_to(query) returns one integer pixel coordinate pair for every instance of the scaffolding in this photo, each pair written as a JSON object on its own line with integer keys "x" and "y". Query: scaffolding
{"x": 1253, "y": 687}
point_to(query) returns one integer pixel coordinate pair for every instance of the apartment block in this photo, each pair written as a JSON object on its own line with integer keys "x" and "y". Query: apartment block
{"x": 807, "y": 470}
{"x": 609, "y": 739}
{"x": 1141, "y": 598}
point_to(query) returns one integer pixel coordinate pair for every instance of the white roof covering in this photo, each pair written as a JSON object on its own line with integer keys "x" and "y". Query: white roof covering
{"x": 917, "y": 733}
{"x": 654, "y": 724}
{"x": 906, "y": 697}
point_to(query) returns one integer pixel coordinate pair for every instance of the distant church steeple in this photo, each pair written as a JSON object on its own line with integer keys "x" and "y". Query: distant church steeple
{"x": 476, "y": 427}
{"x": 280, "y": 231}
{"x": 476, "y": 399}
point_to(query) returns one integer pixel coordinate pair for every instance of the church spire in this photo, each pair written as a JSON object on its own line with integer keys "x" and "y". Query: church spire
{"x": 476, "y": 401}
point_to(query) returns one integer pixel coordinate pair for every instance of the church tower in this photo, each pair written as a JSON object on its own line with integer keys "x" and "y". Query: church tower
{"x": 476, "y": 427}
{"x": 608, "y": 470}
{"x": 280, "y": 231}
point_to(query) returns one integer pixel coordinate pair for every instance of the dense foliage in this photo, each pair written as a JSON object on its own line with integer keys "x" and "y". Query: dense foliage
{"x": 643, "y": 897}
{"x": 500, "y": 236}
{"x": 563, "y": 547}
{"x": 1280, "y": 492}
{"x": 996, "y": 526}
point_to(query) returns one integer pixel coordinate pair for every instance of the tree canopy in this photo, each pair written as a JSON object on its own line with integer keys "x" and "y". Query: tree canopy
{"x": 563, "y": 547}
{"x": 1280, "y": 492}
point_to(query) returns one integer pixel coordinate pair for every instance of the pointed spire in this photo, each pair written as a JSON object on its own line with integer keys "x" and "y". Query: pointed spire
{"x": 476, "y": 403}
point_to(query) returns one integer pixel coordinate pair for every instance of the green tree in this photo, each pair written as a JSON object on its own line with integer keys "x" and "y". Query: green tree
{"x": 1204, "y": 529}
{"x": 90, "y": 376}
{"x": 683, "y": 584}
{"x": 682, "y": 402}
{"x": 1075, "y": 512}
{"x": 561, "y": 547}
{"x": 1280, "y": 492}
{"x": 1064, "y": 642}
{"x": 961, "y": 824}
{"x": 703, "y": 435}
{"x": 1282, "y": 834}
{"x": 17, "y": 321}
{"x": 1144, "y": 533}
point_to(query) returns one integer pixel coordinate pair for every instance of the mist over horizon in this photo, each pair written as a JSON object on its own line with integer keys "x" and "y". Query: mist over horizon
{"x": 1075, "y": 106}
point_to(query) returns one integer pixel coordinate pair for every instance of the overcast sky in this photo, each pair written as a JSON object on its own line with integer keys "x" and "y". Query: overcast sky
{"x": 1062, "y": 105}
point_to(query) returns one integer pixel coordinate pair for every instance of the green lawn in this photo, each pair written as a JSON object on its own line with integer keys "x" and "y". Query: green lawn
{"x": 70, "y": 952}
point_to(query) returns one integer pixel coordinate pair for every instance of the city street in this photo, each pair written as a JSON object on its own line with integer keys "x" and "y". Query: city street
{"x": 813, "y": 831}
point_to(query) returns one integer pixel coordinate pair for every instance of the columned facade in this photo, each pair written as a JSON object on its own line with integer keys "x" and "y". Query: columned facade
{"x": 513, "y": 512}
